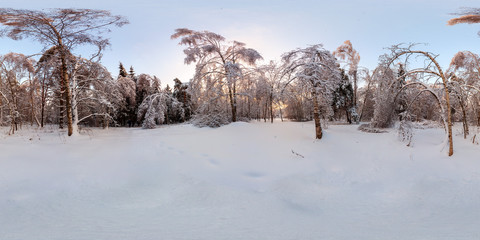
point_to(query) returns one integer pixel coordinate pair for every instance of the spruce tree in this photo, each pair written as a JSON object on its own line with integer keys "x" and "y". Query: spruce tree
{"x": 132, "y": 73}
{"x": 180, "y": 93}
{"x": 123, "y": 71}
{"x": 343, "y": 97}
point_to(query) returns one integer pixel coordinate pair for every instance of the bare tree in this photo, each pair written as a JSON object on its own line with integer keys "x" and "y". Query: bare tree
{"x": 270, "y": 77}
{"x": 15, "y": 68}
{"x": 316, "y": 67}
{"x": 93, "y": 93}
{"x": 217, "y": 61}
{"x": 464, "y": 71}
{"x": 431, "y": 70}
{"x": 63, "y": 28}
{"x": 467, "y": 15}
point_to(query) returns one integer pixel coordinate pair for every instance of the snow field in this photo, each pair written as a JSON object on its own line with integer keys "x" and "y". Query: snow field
{"x": 240, "y": 181}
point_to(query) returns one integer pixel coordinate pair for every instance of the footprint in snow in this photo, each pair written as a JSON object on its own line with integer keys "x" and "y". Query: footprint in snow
{"x": 213, "y": 162}
{"x": 254, "y": 174}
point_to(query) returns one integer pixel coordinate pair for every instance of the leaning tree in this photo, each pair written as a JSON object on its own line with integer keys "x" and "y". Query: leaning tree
{"x": 430, "y": 70}
{"x": 63, "y": 28}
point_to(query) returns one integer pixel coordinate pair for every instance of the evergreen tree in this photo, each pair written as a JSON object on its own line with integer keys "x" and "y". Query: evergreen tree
{"x": 343, "y": 97}
{"x": 123, "y": 72}
{"x": 168, "y": 90}
{"x": 132, "y": 73}
{"x": 181, "y": 94}
{"x": 143, "y": 88}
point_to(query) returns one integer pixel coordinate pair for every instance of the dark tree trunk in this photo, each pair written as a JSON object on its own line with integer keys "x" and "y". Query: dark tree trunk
{"x": 355, "y": 89}
{"x": 271, "y": 107}
{"x": 464, "y": 117}
{"x": 316, "y": 116}
{"x": 347, "y": 115}
{"x": 233, "y": 103}
{"x": 42, "y": 105}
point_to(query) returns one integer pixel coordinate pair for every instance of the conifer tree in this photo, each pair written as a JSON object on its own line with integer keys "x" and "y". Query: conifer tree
{"x": 123, "y": 72}
{"x": 132, "y": 73}
{"x": 181, "y": 94}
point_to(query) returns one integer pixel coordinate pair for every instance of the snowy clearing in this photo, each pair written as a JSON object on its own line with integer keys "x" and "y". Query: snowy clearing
{"x": 241, "y": 181}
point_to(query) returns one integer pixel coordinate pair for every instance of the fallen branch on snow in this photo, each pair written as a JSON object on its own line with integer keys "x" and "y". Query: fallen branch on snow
{"x": 298, "y": 154}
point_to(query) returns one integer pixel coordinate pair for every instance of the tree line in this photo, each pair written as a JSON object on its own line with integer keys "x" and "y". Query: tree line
{"x": 229, "y": 83}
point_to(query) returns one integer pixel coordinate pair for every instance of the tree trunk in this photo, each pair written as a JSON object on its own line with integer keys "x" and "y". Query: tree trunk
{"x": 234, "y": 108}
{"x": 265, "y": 111}
{"x": 478, "y": 118}
{"x": 449, "y": 126}
{"x": 281, "y": 114}
{"x": 68, "y": 94}
{"x": 316, "y": 116}
{"x": 60, "y": 107}
{"x": 355, "y": 89}
{"x": 42, "y": 105}
{"x": 13, "y": 103}
{"x": 271, "y": 107}
{"x": 464, "y": 119}
{"x": 105, "y": 122}
{"x": 249, "y": 108}
{"x": 347, "y": 115}
{"x": 1, "y": 103}
{"x": 74, "y": 102}
{"x": 32, "y": 108}
{"x": 12, "y": 123}
{"x": 232, "y": 104}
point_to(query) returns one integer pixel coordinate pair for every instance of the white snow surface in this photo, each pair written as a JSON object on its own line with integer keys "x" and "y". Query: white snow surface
{"x": 240, "y": 181}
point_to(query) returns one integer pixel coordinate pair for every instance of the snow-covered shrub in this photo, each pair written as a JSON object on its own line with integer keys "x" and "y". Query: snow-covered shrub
{"x": 405, "y": 129}
{"x": 384, "y": 108}
{"x": 153, "y": 108}
{"x": 213, "y": 119}
{"x": 369, "y": 129}
{"x": 425, "y": 124}
{"x": 156, "y": 106}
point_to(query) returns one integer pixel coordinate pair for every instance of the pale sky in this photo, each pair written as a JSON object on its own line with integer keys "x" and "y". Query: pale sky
{"x": 270, "y": 27}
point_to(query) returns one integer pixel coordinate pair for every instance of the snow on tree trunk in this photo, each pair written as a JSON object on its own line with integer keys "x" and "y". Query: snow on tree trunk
{"x": 66, "y": 88}
{"x": 75, "y": 130}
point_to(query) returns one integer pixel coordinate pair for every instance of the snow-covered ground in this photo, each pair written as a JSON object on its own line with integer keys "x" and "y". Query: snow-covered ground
{"x": 241, "y": 181}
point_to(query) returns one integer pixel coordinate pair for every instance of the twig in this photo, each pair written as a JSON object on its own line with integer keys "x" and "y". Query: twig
{"x": 298, "y": 154}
